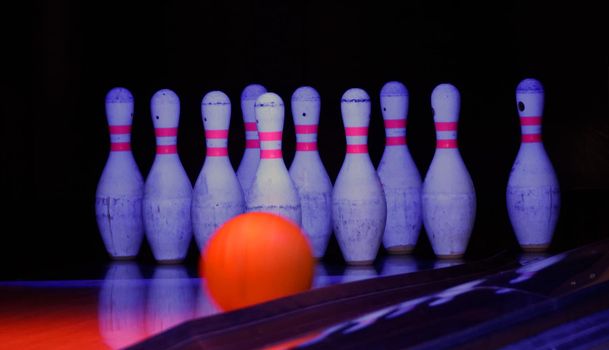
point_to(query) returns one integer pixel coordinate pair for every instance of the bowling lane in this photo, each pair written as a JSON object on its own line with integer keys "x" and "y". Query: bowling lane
{"x": 132, "y": 301}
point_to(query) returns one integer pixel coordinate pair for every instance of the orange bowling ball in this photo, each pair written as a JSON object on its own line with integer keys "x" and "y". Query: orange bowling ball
{"x": 256, "y": 257}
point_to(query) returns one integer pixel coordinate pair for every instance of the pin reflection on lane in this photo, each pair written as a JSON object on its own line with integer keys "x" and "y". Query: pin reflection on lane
{"x": 122, "y": 305}
{"x": 442, "y": 263}
{"x": 171, "y": 298}
{"x": 357, "y": 273}
{"x": 132, "y": 308}
{"x": 397, "y": 264}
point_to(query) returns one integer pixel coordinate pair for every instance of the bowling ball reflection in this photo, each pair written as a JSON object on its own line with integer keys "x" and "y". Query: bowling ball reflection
{"x": 256, "y": 257}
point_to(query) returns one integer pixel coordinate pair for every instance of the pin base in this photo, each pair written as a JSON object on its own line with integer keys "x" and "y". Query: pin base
{"x": 123, "y": 258}
{"x": 360, "y": 263}
{"x": 170, "y": 261}
{"x": 449, "y": 256}
{"x": 400, "y": 249}
{"x": 535, "y": 248}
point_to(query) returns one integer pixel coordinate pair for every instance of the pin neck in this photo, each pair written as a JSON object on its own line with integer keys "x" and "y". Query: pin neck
{"x": 216, "y": 142}
{"x": 395, "y": 132}
{"x": 446, "y": 135}
{"x": 531, "y": 129}
{"x": 166, "y": 139}
{"x": 306, "y": 138}
{"x": 120, "y": 138}
{"x": 357, "y": 139}
{"x": 251, "y": 135}
{"x": 270, "y": 144}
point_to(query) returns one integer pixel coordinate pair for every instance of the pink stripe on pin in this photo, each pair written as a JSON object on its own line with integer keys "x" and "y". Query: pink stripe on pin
{"x": 357, "y": 148}
{"x": 530, "y": 121}
{"x": 306, "y": 129}
{"x": 395, "y": 140}
{"x": 120, "y": 146}
{"x": 166, "y": 149}
{"x": 446, "y": 126}
{"x": 252, "y": 144}
{"x": 306, "y": 146}
{"x": 356, "y": 131}
{"x": 120, "y": 129}
{"x": 250, "y": 126}
{"x": 452, "y": 143}
{"x": 269, "y": 135}
{"x": 270, "y": 153}
{"x": 165, "y": 132}
{"x": 217, "y": 151}
{"x": 395, "y": 123}
{"x": 530, "y": 138}
{"x": 216, "y": 134}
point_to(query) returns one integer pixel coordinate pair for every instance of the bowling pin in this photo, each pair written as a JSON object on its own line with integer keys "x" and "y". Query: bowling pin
{"x": 308, "y": 173}
{"x": 168, "y": 191}
{"x": 249, "y": 163}
{"x": 448, "y": 197}
{"x": 359, "y": 210}
{"x": 399, "y": 174}
{"x": 217, "y": 195}
{"x": 533, "y": 193}
{"x": 273, "y": 190}
{"x": 118, "y": 200}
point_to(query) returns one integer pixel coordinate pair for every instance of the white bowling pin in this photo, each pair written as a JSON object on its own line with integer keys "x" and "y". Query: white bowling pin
{"x": 359, "y": 210}
{"x": 249, "y": 163}
{"x": 168, "y": 191}
{"x": 273, "y": 190}
{"x": 217, "y": 195}
{"x": 308, "y": 172}
{"x": 118, "y": 200}
{"x": 448, "y": 197}
{"x": 399, "y": 174}
{"x": 533, "y": 192}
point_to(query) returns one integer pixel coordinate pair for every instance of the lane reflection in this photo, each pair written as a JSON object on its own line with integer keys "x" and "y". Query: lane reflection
{"x": 398, "y": 264}
{"x": 442, "y": 263}
{"x": 122, "y": 305}
{"x": 358, "y": 273}
{"x": 132, "y": 307}
{"x": 171, "y": 298}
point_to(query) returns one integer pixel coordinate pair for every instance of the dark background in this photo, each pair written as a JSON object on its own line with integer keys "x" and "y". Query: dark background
{"x": 63, "y": 56}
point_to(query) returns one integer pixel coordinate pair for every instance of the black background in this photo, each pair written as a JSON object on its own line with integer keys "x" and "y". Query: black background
{"x": 63, "y": 56}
